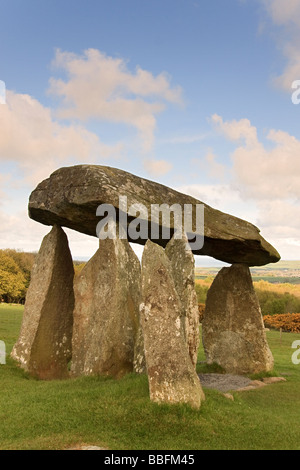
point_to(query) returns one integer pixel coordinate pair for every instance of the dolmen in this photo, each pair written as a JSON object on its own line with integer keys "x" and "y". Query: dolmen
{"x": 119, "y": 314}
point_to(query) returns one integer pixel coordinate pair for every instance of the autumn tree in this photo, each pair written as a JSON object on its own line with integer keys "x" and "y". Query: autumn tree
{"x": 13, "y": 282}
{"x": 23, "y": 260}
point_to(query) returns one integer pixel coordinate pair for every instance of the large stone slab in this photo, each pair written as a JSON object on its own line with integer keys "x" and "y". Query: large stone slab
{"x": 71, "y": 195}
{"x": 171, "y": 374}
{"x": 106, "y": 313}
{"x": 232, "y": 328}
{"x": 45, "y": 342}
{"x": 183, "y": 272}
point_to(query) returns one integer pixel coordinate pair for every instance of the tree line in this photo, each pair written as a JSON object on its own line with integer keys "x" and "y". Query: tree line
{"x": 16, "y": 266}
{"x": 274, "y": 299}
{"x": 15, "y": 269}
{"x": 15, "y": 274}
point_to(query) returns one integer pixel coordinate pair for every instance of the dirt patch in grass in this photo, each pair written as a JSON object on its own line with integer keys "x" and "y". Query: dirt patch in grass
{"x": 224, "y": 382}
{"x": 229, "y": 382}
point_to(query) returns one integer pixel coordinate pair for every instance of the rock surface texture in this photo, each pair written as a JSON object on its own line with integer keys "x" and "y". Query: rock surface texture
{"x": 71, "y": 195}
{"x": 232, "y": 328}
{"x": 106, "y": 313}
{"x": 171, "y": 374}
{"x": 44, "y": 345}
{"x": 183, "y": 272}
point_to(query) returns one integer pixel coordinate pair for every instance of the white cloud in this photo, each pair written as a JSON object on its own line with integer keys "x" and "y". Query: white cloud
{"x": 287, "y": 246}
{"x": 18, "y": 231}
{"x": 286, "y": 15}
{"x": 261, "y": 172}
{"x": 39, "y": 144}
{"x": 3, "y": 180}
{"x": 81, "y": 245}
{"x": 292, "y": 69}
{"x": 269, "y": 176}
{"x": 97, "y": 86}
{"x": 283, "y": 12}
{"x": 103, "y": 87}
{"x": 224, "y": 198}
{"x": 2, "y": 92}
{"x": 157, "y": 167}
{"x": 210, "y": 166}
{"x": 236, "y": 130}
{"x": 282, "y": 214}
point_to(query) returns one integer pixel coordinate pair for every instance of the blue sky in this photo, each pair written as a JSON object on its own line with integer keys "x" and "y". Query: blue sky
{"x": 193, "y": 94}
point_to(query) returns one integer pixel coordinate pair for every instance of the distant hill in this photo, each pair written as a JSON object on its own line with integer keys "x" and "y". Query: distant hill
{"x": 285, "y": 271}
{"x": 291, "y": 265}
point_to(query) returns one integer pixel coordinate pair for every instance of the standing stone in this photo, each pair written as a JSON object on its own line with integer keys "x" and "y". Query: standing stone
{"x": 183, "y": 271}
{"x": 106, "y": 314}
{"x": 139, "y": 361}
{"x": 172, "y": 377}
{"x": 45, "y": 342}
{"x": 232, "y": 327}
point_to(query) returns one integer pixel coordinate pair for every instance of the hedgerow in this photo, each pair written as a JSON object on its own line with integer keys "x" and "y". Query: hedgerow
{"x": 289, "y": 322}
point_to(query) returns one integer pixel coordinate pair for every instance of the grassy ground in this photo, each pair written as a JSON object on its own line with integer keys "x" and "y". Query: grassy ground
{"x": 119, "y": 415}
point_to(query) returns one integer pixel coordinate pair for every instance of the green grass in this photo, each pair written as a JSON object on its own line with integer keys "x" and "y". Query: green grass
{"x": 10, "y": 322}
{"x": 119, "y": 415}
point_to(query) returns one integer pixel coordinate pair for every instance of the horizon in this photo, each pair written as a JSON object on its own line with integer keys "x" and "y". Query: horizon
{"x": 207, "y": 261}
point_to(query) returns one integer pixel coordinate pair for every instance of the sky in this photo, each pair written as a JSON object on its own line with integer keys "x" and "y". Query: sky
{"x": 202, "y": 96}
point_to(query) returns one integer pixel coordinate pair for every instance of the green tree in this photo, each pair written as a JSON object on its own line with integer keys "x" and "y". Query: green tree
{"x": 78, "y": 268}
{"x": 23, "y": 260}
{"x": 201, "y": 292}
{"x": 12, "y": 280}
{"x": 274, "y": 303}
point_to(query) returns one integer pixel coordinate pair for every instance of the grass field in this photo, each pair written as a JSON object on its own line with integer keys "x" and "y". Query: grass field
{"x": 119, "y": 415}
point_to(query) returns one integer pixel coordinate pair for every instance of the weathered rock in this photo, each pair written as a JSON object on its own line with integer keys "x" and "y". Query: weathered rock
{"x": 183, "y": 271}
{"x": 273, "y": 380}
{"x": 229, "y": 396}
{"x": 45, "y": 341}
{"x": 71, "y": 195}
{"x": 139, "y": 361}
{"x": 223, "y": 382}
{"x": 254, "y": 384}
{"x": 172, "y": 377}
{"x": 232, "y": 327}
{"x": 106, "y": 313}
